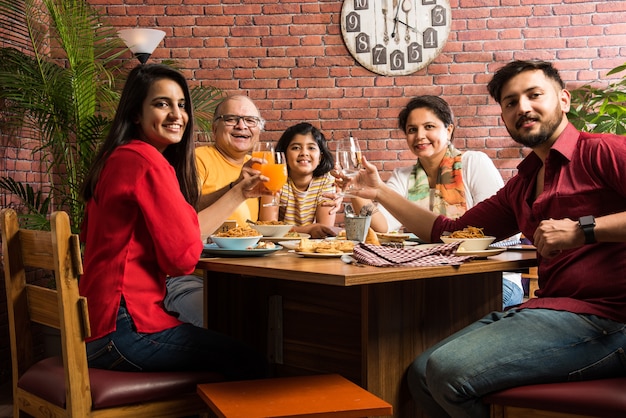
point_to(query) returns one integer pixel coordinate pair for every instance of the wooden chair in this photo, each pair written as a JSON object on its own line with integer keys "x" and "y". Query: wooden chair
{"x": 65, "y": 386}
{"x": 593, "y": 398}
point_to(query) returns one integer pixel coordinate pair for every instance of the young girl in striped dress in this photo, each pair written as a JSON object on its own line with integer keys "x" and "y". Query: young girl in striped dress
{"x": 309, "y": 162}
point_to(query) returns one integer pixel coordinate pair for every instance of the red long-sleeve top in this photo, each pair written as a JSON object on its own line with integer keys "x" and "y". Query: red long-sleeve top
{"x": 138, "y": 229}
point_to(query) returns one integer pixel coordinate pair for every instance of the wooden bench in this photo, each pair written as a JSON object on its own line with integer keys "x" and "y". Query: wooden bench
{"x": 303, "y": 396}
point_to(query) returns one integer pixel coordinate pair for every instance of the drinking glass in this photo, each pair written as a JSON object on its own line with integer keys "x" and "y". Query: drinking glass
{"x": 348, "y": 159}
{"x": 263, "y": 150}
{"x": 276, "y": 171}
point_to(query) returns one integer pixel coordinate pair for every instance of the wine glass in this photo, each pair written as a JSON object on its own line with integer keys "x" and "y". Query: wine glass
{"x": 348, "y": 160}
{"x": 276, "y": 170}
{"x": 264, "y": 150}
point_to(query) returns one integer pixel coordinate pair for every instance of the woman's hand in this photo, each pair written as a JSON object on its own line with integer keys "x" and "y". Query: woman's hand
{"x": 251, "y": 181}
{"x": 369, "y": 181}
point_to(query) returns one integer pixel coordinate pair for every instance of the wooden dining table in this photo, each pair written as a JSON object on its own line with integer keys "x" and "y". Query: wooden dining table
{"x": 321, "y": 315}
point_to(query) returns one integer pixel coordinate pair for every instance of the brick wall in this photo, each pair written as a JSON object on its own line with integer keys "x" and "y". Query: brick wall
{"x": 289, "y": 56}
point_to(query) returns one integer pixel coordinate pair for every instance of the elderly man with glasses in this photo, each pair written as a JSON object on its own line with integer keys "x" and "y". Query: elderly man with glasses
{"x": 236, "y": 128}
{"x": 230, "y": 190}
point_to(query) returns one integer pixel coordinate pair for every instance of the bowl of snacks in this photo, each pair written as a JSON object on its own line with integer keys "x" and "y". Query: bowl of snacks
{"x": 240, "y": 238}
{"x": 472, "y": 239}
{"x": 272, "y": 228}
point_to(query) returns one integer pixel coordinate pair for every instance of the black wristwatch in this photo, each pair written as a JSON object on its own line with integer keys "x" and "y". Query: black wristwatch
{"x": 587, "y": 224}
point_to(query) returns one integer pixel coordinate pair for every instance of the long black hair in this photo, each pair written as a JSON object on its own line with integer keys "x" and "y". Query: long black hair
{"x": 304, "y": 128}
{"x": 124, "y": 129}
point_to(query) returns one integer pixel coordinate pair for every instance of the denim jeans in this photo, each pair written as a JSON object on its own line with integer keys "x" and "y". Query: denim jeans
{"x": 513, "y": 348}
{"x": 185, "y": 298}
{"x": 185, "y": 347}
{"x": 512, "y": 294}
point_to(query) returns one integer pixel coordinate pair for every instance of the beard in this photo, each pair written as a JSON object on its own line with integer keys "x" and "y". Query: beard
{"x": 546, "y": 129}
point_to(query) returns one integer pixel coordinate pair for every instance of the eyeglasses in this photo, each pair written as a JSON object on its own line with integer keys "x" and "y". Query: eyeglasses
{"x": 249, "y": 121}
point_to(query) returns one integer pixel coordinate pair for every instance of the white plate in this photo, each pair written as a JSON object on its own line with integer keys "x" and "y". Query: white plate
{"x": 482, "y": 253}
{"x": 281, "y": 239}
{"x": 320, "y": 255}
{"x": 214, "y": 249}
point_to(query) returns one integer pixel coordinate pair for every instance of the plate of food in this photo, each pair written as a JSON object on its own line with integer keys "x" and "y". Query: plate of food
{"x": 272, "y": 229}
{"x": 471, "y": 238}
{"x": 385, "y": 237}
{"x": 291, "y": 236}
{"x": 258, "y": 250}
{"x": 324, "y": 248}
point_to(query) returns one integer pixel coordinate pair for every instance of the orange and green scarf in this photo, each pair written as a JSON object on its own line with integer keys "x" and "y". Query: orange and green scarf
{"x": 448, "y": 196}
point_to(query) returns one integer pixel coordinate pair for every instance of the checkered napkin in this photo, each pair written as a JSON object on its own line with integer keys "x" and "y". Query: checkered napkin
{"x": 439, "y": 255}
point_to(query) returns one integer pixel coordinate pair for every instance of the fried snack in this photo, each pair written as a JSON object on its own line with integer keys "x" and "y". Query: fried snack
{"x": 344, "y": 246}
{"x": 371, "y": 237}
{"x": 325, "y": 247}
{"x": 240, "y": 231}
{"x": 305, "y": 246}
{"x": 469, "y": 232}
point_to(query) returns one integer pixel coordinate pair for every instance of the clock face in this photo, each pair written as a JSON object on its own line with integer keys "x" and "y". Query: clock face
{"x": 395, "y": 37}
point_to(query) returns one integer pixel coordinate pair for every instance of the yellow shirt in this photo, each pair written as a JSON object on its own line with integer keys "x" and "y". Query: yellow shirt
{"x": 215, "y": 172}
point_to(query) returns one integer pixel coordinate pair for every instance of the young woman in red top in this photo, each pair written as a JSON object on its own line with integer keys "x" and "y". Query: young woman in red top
{"x": 140, "y": 227}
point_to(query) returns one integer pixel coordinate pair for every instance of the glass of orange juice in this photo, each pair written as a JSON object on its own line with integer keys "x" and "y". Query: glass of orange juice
{"x": 276, "y": 171}
{"x": 264, "y": 150}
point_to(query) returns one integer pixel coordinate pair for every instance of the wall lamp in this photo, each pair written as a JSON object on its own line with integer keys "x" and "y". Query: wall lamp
{"x": 141, "y": 42}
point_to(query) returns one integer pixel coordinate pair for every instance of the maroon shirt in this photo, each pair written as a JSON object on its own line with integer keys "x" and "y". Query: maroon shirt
{"x": 138, "y": 229}
{"x": 585, "y": 174}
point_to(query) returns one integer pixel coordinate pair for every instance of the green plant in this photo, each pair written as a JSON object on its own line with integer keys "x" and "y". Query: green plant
{"x": 59, "y": 87}
{"x": 597, "y": 109}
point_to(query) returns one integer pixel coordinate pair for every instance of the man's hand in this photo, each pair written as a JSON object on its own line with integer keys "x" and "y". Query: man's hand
{"x": 552, "y": 236}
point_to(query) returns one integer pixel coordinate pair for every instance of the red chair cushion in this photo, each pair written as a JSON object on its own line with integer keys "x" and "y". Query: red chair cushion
{"x": 46, "y": 379}
{"x": 604, "y": 397}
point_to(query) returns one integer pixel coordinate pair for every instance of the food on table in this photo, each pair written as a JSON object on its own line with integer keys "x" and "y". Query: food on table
{"x": 371, "y": 237}
{"x": 264, "y": 245}
{"x": 469, "y": 232}
{"x": 270, "y": 223}
{"x": 325, "y": 247}
{"x": 240, "y": 231}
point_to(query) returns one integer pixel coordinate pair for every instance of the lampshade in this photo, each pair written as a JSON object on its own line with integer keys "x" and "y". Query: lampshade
{"x": 141, "y": 42}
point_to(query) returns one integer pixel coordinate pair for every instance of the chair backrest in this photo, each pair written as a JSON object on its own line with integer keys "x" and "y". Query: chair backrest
{"x": 63, "y": 308}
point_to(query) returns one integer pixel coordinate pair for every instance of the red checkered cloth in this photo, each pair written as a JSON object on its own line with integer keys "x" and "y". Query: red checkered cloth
{"x": 381, "y": 256}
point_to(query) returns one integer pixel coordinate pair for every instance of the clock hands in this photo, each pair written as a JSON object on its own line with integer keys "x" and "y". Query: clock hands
{"x": 394, "y": 34}
{"x": 408, "y": 27}
{"x": 406, "y": 7}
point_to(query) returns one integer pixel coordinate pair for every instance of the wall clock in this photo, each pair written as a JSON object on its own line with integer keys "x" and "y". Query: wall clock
{"x": 395, "y": 37}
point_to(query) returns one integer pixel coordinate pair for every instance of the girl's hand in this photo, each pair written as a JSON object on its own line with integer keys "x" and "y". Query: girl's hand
{"x": 332, "y": 201}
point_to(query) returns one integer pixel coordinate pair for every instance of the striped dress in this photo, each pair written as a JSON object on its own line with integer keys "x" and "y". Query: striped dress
{"x": 299, "y": 207}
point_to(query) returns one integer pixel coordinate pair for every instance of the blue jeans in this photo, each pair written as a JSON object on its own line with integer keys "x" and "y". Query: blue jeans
{"x": 185, "y": 347}
{"x": 512, "y": 294}
{"x": 185, "y": 298}
{"x": 514, "y": 348}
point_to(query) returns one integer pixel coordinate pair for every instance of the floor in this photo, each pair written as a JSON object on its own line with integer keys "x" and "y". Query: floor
{"x": 6, "y": 402}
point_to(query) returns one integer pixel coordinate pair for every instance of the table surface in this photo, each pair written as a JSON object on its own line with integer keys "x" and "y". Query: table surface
{"x": 332, "y": 271}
